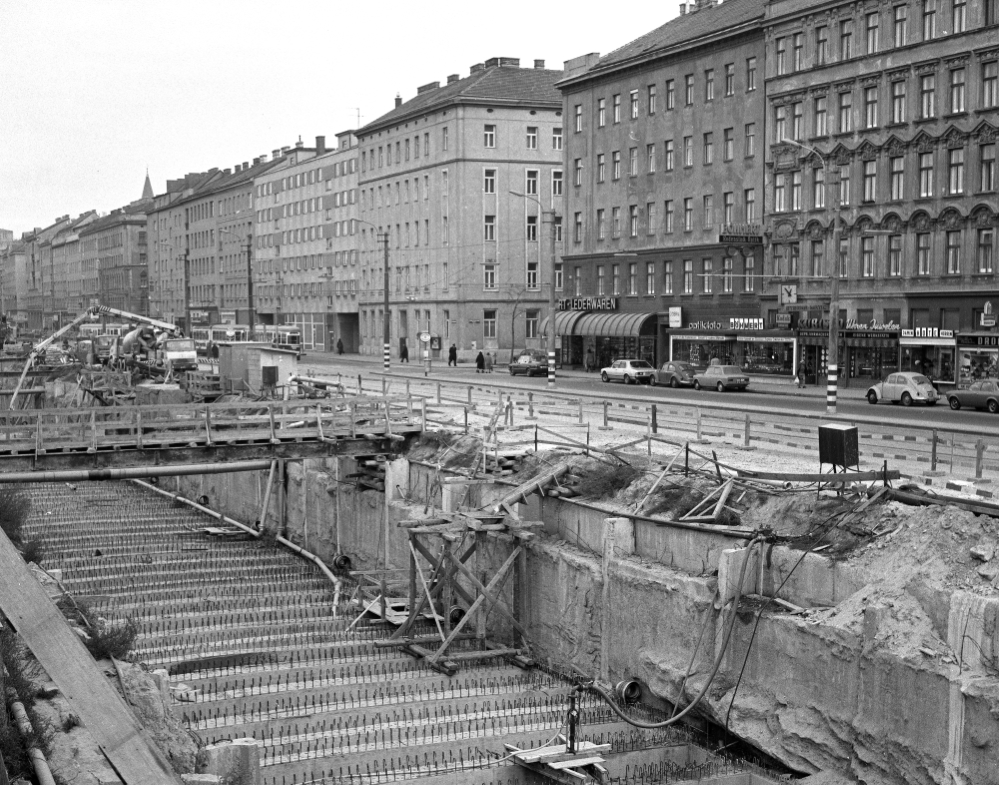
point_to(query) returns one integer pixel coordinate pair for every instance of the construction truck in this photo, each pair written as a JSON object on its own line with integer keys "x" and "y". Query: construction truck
{"x": 167, "y": 360}
{"x": 160, "y": 349}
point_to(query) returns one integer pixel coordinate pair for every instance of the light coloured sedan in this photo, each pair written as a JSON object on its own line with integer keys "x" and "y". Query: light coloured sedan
{"x": 980, "y": 395}
{"x": 628, "y": 371}
{"x": 721, "y": 378}
{"x": 675, "y": 373}
{"x": 906, "y": 388}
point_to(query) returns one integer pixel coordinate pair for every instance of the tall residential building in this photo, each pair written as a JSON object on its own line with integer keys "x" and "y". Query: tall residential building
{"x": 38, "y": 282}
{"x": 461, "y": 191}
{"x": 883, "y": 117}
{"x": 114, "y": 261}
{"x": 65, "y": 280}
{"x": 664, "y": 198}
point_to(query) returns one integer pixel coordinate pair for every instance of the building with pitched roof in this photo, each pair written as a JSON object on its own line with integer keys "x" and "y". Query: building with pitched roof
{"x": 462, "y": 182}
{"x": 114, "y": 262}
{"x": 665, "y": 194}
{"x": 895, "y": 107}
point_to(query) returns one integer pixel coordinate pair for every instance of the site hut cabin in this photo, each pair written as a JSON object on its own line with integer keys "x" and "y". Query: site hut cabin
{"x": 255, "y": 367}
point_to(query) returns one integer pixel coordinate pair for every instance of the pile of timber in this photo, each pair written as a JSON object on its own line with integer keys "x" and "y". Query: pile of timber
{"x": 370, "y": 474}
{"x": 502, "y": 463}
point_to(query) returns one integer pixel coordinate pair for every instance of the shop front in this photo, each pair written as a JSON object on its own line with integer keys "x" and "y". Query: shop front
{"x": 596, "y": 338}
{"x": 977, "y": 357}
{"x": 744, "y": 342}
{"x": 931, "y": 352}
{"x": 864, "y": 355}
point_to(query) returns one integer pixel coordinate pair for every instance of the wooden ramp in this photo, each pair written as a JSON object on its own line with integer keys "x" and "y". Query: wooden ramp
{"x": 47, "y": 634}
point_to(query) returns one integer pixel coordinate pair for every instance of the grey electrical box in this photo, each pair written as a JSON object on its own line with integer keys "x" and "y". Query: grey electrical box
{"x": 839, "y": 445}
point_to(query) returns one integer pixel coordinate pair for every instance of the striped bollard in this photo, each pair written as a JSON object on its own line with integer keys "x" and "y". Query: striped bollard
{"x": 551, "y": 367}
{"x": 831, "y": 389}
{"x": 385, "y": 356}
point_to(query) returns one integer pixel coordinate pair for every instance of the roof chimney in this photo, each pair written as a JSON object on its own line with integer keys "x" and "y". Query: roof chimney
{"x": 320, "y": 145}
{"x": 263, "y": 158}
{"x": 476, "y": 68}
{"x": 256, "y": 160}
{"x": 276, "y": 152}
{"x": 539, "y": 63}
{"x": 398, "y": 100}
{"x": 246, "y": 165}
{"x": 683, "y": 9}
{"x": 423, "y": 89}
{"x": 299, "y": 144}
{"x": 452, "y": 78}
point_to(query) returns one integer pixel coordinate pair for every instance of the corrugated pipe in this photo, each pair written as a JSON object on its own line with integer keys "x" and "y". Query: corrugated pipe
{"x": 38, "y": 760}
{"x": 249, "y": 530}
{"x": 133, "y": 472}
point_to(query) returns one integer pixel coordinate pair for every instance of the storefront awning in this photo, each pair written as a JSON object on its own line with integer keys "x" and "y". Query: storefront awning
{"x": 613, "y": 325}
{"x": 564, "y": 321}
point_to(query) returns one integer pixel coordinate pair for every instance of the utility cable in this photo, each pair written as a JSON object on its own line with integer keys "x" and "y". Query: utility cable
{"x": 693, "y": 656}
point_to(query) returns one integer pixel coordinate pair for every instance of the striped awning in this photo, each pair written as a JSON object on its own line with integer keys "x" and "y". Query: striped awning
{"x": 613, "y": 325}
{"x": 564, "y": 321}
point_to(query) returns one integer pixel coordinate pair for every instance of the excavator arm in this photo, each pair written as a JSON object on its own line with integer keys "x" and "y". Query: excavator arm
{"x": 134, "y": 317}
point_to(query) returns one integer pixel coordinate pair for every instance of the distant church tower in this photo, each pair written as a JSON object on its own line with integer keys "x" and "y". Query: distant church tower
{"x": 147, "y": 189}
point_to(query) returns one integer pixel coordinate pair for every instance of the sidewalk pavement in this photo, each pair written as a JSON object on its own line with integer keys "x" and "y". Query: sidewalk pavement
{"x": 775, "y": 385}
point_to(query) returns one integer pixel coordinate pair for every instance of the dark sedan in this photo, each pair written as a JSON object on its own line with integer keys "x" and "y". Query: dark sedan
{"x": 721, "y": 378}
{"x": 675, "y": 374}
{"x": 980, "y": 395}
{"x": 530, "y": 364}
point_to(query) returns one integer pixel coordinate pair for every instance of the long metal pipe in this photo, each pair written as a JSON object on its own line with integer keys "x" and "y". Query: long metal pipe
{"x": 133, "y": 472}
{"x": 38, "y": 760}
{"x": 194, "y": 505}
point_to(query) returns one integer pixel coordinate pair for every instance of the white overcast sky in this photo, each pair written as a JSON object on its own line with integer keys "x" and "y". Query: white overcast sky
{"x": 92, "y": 92}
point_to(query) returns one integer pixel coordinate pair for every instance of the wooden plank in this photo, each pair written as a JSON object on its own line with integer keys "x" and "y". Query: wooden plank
{"x": 573, "y": 762}
{"x": 67, "y": 662}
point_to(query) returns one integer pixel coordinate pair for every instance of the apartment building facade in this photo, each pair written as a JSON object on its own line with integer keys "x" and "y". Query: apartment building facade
{"x": 894, "y": 106}
{"x": 461, "y": 190}
{"x": 114, "y": 262}
{"x": 665, "y": 196}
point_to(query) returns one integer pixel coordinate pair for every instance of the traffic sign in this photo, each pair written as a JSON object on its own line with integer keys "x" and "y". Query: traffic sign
{"x": 425, "y": 337}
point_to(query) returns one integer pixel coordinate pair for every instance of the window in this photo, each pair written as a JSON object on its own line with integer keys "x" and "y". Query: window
{"x": 818, "y": 251}
{"x": 870, "y": 180}
{"x": 926, "y": 174}
{"x": 818, "y": 188}
{"x": 780, "y": 123}
{"x": 617, "y": 108}
{"x": 728, "y": 141}
{"x": 615, "y": 222}
{"x": 556, "y": 182}
{"x": 650, "y": 277}
{"x": 898, "y": 102}
{"x": 670, "y": 94}
{"x": 867, "y": 257}
{"x": 749, "y": 199}
{"x": 633, "y": 220}
{"x": 728, "y": 207}
{"x": 749, "y": 274}
{"x": 990, "y": 85}
{"x": 601, "y": 282}
{"x": 650, "y": 158}
{"x": 616, "y": 165}
{"x": 872, "y": 33}
{"x": 688, "y": 276}
{"x": 923, "y": 253}
{"x": 557, "y": 228}
{"x": 845, "y": 113}
{"x": 709, "y": 84}
{"x": 870, "y": 107}
{"x": 579, "y": 118}
{"x": 634, "y": 104}
{"x": 489, "y": 324}
{"x": 844, "y": 257}
{"x": 615, "y": 279}
{"x": 632, "y": 161}
{"x": 894, "y": 255}
{"x": 601, "y": 231}
{"x": 953, "y": 240}
{"x": 780, "y": 193}
{"x": 601, "y": 167}
{"x": 531, "y": 182}
{"x": 957, "y": 90}
{"x": 489, "y": 234}
{"x": 984, "y": 253}
{"x": 688, "y": 214}
{"x": 633, "y": 278}
{"x": 668, "y": 154}
{"x": 955, "y": 171}
{"x": 532, "y": 228}
{"x": 896, "y": 167}
{"x": 489, "y": 276}
{"x": 798, "y": 53}
{"x": 668, "y": 277}
{"x": 651, "y": 99}
{"x": 577, "y": 176}
{"x": 444, "y": 139}
{"x": 601, "y": 112}
{"x": 750, "y": 74}
{"x": 844, "y": 186}
{"x": 559, "y": 277}
{"x": 650, "y": 218}
{"x": 821, "y": 45}
{"x": 531, "y": 319}
{"x": 707, "y": 276}
{"x": 987, "y": 181}
{"x": 796, "y": 190}
{"x": 730, "y": 79}
{"x": 688, "y": 90}
{"x": 577, "y": 281}
{"x": 821, "y": 116}
{"x": 532, "y": 137}
{"x": 577, "y": 234}
{"x": 927, "y": 96}
{"x": 960, "y": 16}
{"x": 846, "y": 39}
{"x": 489, "y": 136}
{"x": 489, "y": 181}
{"x": 668, "y": 216}
{"x": 688, "y": 151}
{"x": 901, "y": 28}
{"x": 929, "y": 19}
{"x": 709, "y": 148}
{"x": 709, "y": 211}
{"x": 781, "y": 56}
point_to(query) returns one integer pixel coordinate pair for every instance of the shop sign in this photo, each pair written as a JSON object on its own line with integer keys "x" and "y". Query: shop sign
{"x": 200, "y": 317}
{"x": 783, "y": 320}
{"x": 745, "y": 323}
{"x": 874, "y": 324}
{"x": 675, "y": 316}
{"x": 705, "y": 326}
{"x": 733, "y": 234}
{"x": 800, "y": 307}
{"x": 987, "y": 318}
{"x": 927, "y": 332}
{"x": 588, "y": 304}
{"x": 227, "y": 317}
{"x": 813, "y": 322}
{"x": 978, "y": 340}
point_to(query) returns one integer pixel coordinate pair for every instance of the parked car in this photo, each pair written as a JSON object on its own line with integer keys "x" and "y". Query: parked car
{"x": 675, "y": 374}
{"x": 721, "y": 378}
{"x": 906, "y": 387}
{"x": 628, "y": 371}
{"x": 530, "y": 363}
{"x": 980, "y": 395}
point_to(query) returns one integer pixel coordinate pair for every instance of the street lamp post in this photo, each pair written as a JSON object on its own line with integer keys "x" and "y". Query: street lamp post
{"x": 386, "y": 319}
{"x": 250, "y": 315}
{"x": 832, "y": 209}
{"x": 550, "y": 332}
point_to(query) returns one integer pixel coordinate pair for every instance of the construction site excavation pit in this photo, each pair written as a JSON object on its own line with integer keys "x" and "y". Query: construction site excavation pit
{"x": 488, "y": 614}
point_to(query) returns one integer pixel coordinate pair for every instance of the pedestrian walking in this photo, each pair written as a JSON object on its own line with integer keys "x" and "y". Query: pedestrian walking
{"x": 802, "y": 370}
{"x": 452, "y": 356}
{"x": 590, "y": 363}
{"x": 404, "y": 354}
{"x": 339, "y": 345}
{"x": 489, "y": 362}
{"x": 480, "y": 363}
